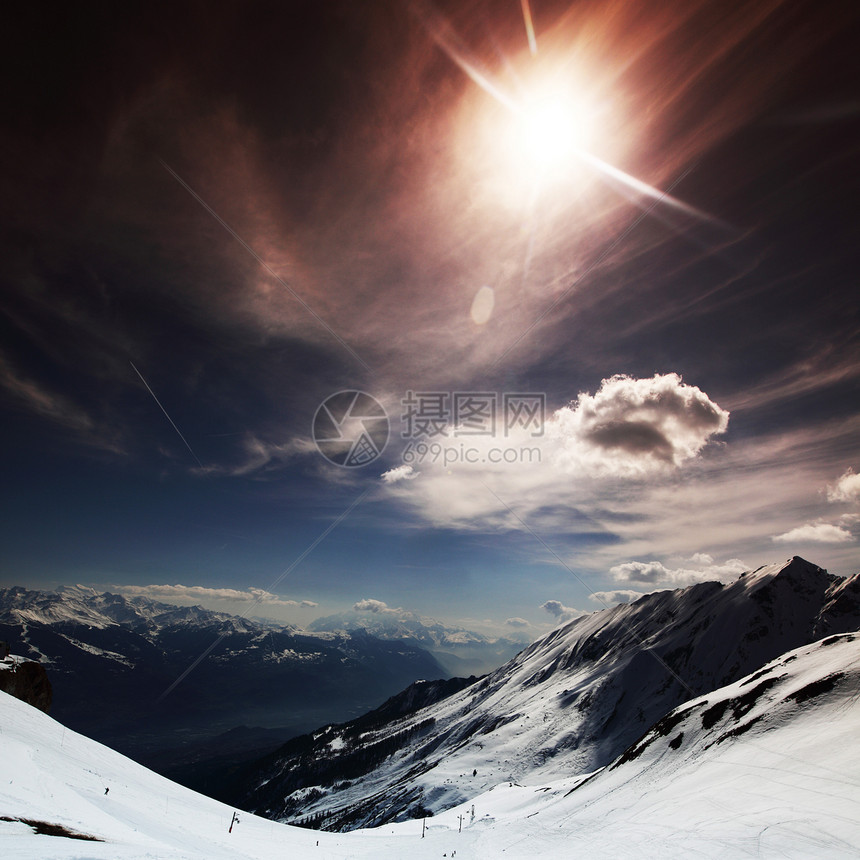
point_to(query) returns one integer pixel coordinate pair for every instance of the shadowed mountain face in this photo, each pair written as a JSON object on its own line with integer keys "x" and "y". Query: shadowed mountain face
{"x": 569, "y": 703}
{"x": 111, "y": 659}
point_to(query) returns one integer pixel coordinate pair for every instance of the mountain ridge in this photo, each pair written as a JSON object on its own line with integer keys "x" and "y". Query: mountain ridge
{"x": 576, "y": 698}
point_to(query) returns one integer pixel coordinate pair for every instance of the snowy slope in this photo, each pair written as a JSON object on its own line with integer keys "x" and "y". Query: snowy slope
{"x": 569, "y": 703}
{"x": 767, "y": 767}
{"x": 769, "y": 764}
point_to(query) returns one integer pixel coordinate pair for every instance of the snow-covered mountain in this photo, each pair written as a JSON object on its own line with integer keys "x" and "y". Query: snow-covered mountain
{"x": 765, "y": 767}
{"x": 110, "y": 659}
{"x": 462, "y": 652}
{"x": 569, "y": 703}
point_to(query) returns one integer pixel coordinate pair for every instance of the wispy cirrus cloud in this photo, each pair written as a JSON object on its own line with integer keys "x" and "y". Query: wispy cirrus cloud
{"x": 353, "y": 220}
{"x": 184, "y": 594}
{"x": 256, "y": 456}
{"x": 59, "y": 409}
{"x": 818, "y": 532}
{"x": 39, "y": 398}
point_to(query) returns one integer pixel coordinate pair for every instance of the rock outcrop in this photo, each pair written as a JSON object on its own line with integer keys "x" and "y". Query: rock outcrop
{"x": 28, "y": 682}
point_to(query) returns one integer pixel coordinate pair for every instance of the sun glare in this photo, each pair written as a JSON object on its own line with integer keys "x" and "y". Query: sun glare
{"x": 547, "y": 133}
{"x": 551, "y": 133}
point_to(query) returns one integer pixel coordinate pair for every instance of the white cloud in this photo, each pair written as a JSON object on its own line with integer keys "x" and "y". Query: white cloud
{"x": 656, "y": 574}
{"x": 197, "y": 593}
{"x": 646, "y": 572}
{"x": 517, "y": 622}
{"x": 563, "y": 613}
{"x": 399, "y": 473}
{"x": 846, "y": 489}
{"x": 817, "y": 532}
{"x": 701, "y": 558}
{"x": 634, "y": 427}
{"x": 621, "y": 595}
{"x": 371, "y": 605}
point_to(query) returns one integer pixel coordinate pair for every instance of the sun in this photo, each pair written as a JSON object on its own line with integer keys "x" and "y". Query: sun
{"x": 534, "y": 145}
{"x": 550, "y": 130}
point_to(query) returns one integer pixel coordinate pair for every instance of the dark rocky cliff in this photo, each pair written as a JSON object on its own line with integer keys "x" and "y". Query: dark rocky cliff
{"x": 29, "y": 682}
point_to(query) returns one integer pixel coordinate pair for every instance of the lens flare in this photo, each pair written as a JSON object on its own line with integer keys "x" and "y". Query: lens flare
{"x": 482, "y": 305}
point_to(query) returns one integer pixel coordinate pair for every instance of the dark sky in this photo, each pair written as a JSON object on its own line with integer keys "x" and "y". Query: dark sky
{"x": 217, "y": 215}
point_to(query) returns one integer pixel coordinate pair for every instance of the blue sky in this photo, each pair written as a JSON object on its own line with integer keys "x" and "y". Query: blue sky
{"x": 216, "y": 222}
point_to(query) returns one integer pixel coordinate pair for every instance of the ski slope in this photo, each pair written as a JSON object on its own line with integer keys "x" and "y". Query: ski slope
{"x": 777, "y": 775}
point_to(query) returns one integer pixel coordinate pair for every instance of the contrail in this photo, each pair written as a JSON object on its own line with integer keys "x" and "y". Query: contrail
{"x": 172, "y": 424}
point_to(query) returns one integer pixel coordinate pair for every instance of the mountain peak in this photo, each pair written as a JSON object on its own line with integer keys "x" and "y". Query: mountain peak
{"x": 797, "y": 565}
{"x": 795, "y": 570}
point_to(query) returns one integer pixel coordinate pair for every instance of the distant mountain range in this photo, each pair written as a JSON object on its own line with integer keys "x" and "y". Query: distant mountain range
{"x": 111, "y": 659}
{"x": 570, "y": 703}
{"x": 462, "y": 652}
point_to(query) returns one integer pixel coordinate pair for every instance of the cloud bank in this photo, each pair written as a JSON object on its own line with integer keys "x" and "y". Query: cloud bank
{"x": 656, "y": 574}
{"x": 183, "y": 594}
